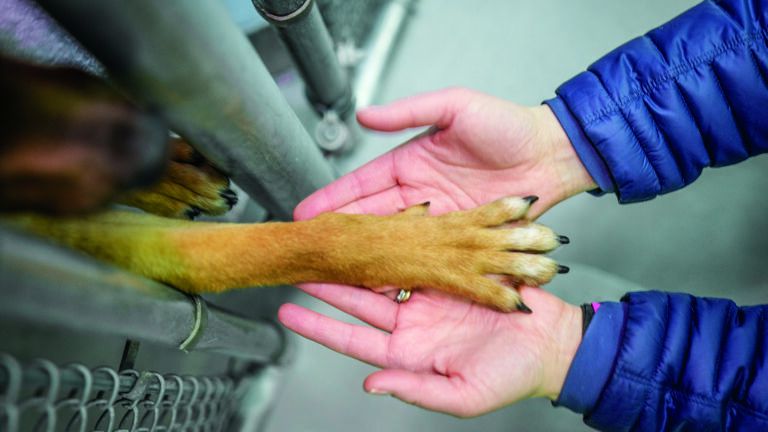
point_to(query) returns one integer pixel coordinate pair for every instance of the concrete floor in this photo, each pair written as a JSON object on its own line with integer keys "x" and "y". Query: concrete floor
{"x": 708, "y": 239}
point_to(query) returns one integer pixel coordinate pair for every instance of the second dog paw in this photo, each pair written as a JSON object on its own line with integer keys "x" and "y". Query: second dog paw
{"x": 190, "y": 187}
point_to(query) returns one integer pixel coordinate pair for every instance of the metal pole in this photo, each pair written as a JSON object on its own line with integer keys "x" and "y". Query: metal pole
{"x": 47, "y": 284}
{"x": 378, "y": 50}
{"x": 301, "y": 27}
{"x": 188, "y": 61}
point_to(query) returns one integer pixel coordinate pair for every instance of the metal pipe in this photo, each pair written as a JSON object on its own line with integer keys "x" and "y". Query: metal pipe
{"x": 301, "y": 27}
{"x": 189, "y": 62}
{"x": 378, "y": 50}
{"x": 51, "y": 285}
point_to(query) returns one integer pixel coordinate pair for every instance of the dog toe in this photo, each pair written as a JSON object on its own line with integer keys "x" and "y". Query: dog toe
{"x": 490, "y": 292}
{"x": 501, "y": 211}
{"x": 522, "y": 268}
{"x": 230, "y": 197}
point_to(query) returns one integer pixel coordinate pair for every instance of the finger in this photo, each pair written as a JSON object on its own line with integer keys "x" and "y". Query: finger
{"x": 362, "y": 303}
{"x": 427, "y": 390}
{"x": 389, "y": 291}
{"x": 373, "y": 177}
{"x": 435, "y": 108}
{"x": 363, "y": 343}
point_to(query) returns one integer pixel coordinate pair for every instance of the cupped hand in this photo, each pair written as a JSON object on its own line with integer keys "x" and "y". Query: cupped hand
{"x": 446, "y": 354}
{"x": 479, "y": 148}
{"x": 437, "y": 351}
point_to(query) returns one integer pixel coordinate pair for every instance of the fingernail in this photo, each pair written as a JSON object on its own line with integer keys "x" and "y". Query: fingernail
{"x": 563, "y": 239}
{"x": 377, "y": 392}
{"x": 531, "y": 199}
{"x": 523, "y": 308}
{"x": 563, "y": 269}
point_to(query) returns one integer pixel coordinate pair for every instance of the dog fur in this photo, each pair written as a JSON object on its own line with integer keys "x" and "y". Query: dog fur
{"x": 481, "y": 254}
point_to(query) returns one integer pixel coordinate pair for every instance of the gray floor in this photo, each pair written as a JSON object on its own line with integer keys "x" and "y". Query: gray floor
{"x": 708, "y": 239}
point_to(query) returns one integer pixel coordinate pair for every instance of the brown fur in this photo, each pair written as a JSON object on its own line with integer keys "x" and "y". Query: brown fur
{"x": 455, "y": 252}
{"x": 73, "y": 144}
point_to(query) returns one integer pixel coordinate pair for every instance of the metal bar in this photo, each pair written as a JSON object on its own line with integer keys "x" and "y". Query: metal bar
{"x": 301, "y": 27}
{"x": 378, "y": 50}
{"x": 188, "y": 61}
{"x": 130, "y": 351}
{"x": 51, "y": 285}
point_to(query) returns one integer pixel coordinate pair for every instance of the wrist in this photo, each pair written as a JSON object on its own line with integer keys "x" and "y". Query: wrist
{"x": 566, "y": 338}
{"x": 566, "y": 165}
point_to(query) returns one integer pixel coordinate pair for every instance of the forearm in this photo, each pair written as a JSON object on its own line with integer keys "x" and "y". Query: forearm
{"x": 655, "y": 347}
{"x": 195, "y": 257}
{"x": 649, "y": 116}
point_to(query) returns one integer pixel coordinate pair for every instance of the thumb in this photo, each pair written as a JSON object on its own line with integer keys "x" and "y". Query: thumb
{"x": 427, "y": 390}
{"x": 435, "y": 108}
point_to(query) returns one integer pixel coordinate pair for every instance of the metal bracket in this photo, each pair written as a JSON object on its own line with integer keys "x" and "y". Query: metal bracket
{"x": 281, "y": 19}
{"x": 201, "y": 317}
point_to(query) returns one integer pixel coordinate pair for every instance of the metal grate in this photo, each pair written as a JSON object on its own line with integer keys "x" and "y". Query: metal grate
{"x": 40, "y": 396}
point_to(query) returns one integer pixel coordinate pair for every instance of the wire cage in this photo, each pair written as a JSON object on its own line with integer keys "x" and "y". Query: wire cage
{"x": 158, "y": 55}
{"x": 42, "y": 396}
{"x": 55, "y": 300}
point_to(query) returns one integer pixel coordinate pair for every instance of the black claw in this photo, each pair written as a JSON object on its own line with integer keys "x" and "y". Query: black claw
{"x": 523, "y": 308}
{"x": 563, "y": 269}
{"x": 425, "y": 203}
{"x": 229, "y": 196}
{"x": 193, "y": 212}
{"x": 563, "y": 239}
{"x": 531, "y": 199}
{"x": 196, "y": 158}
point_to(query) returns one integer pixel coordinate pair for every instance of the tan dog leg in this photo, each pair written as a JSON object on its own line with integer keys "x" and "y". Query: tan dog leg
{"x": 464, "y": 253}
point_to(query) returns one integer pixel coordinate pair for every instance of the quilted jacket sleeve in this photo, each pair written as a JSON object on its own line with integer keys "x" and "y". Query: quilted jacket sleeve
{"x": 649, "y": 116}
{"x": 662, "y": 361}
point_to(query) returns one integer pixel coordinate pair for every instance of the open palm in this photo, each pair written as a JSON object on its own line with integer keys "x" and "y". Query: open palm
{"x": 444, "y": 353}
{"x": 479, "y": 149}
{"x": 437, "y": 351}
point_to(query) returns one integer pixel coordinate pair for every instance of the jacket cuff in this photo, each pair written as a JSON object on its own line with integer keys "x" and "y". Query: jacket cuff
{"x": 589, "y": 156}
{"x": 593, "y": 364}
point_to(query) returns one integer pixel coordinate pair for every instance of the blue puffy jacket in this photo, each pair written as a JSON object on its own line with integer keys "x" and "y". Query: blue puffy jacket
{"x": 645, "y": 120}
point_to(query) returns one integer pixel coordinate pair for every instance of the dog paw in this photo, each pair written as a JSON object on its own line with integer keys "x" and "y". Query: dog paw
{"x": 191, "y": 186}
{"x": 481, "y": 254}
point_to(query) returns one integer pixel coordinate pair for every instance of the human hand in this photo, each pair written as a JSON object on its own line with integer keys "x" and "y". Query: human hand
{"x": 480, "y": 149}
{"x": 446, "y": 354}
{"x": 437, "y": 351}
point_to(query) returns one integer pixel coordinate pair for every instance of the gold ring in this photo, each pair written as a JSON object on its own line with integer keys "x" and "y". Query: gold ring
{"x": 403, "y": 296}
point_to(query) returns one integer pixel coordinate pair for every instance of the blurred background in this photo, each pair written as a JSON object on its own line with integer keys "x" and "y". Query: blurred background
{"x": 708, "y": 239}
